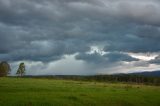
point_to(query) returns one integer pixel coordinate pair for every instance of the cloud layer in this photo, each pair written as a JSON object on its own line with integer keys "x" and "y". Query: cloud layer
{"x": 48, "y": 30}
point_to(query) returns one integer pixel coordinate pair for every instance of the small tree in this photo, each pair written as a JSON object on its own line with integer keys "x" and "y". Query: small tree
{"x": 21, "y": 69}
{"x": 4, "y": 68}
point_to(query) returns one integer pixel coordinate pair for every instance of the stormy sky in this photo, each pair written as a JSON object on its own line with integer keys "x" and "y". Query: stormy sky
{"x": 81, "y": 37}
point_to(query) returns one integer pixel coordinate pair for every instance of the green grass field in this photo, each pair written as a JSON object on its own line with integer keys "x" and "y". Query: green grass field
{"x": 51, "y": 92}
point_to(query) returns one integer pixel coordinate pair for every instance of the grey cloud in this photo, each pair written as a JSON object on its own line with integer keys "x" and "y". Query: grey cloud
{"x": 47, "y": 30}
{"x": 155, "y": 61}
{"x": 91, "y": 58}
{"x": 148, "y": 32}
{"x": 144, "y": 11}
{"x": 108, "y": 58}
{"x": 133, "y": 43}
{"x": 116, "y": 56}
{"x": 45, "y": 51}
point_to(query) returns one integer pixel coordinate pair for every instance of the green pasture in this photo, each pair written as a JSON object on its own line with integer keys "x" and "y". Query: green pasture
{"x": 52, "y": 92}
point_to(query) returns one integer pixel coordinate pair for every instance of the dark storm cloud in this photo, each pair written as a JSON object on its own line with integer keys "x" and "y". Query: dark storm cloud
{"x": 108, "y": 58}
{"x": 156, "y": 60}
{"x": 134, "y": 43}
{"x": 46, "y": 30}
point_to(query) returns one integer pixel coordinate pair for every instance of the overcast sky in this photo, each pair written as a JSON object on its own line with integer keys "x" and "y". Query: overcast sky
{"x": 80, "y": 36}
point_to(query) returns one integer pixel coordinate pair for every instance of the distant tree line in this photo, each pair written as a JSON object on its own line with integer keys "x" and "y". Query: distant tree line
{"x": 139, "y": 79}
{"x": 5, "y": 69}
{"x": 125, "y": 78}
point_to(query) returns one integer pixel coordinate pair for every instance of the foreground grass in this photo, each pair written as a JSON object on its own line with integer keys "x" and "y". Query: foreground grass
{"x": 45, "y": 92}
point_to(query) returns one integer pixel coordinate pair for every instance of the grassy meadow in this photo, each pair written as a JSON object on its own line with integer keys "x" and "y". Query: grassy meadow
{"x": 53, "y": 92}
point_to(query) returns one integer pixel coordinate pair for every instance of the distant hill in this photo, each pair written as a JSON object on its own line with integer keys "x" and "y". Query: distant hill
{"x": 148, "y": 74}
